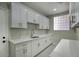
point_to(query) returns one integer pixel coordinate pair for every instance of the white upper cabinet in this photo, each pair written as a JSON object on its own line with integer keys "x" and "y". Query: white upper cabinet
{"x": 41, "y": 26}
{"x": 33, "y": 17}
{"x": 74, "y": 14}
{"x": 19, "y": 16}
{"x": 30, "y": 16}
{"x": 44, "y": 23}
{"x": 37, "y": 18}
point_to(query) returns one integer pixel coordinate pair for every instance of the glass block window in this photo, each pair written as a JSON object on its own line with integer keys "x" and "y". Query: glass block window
{"x": 61, "y": 22}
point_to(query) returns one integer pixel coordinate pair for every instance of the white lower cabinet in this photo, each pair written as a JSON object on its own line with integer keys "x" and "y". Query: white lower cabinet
{"x": 47, "y": 41}
{"x": 20, "y": 50}
{"x": 29, "y": 49}
{"x": 35, "y": 47}
{"x": 40, "y": 45}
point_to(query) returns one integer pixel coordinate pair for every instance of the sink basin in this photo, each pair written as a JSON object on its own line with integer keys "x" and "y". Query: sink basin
{"x": 35, "y": 37}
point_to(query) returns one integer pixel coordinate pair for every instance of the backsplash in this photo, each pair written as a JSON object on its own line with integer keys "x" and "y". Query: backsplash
{"x": 25, "y": 33}
{"x": 77, "y": 33}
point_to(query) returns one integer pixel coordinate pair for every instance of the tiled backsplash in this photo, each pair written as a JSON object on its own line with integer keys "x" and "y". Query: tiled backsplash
{"x": 26, "y": 33}
{"x": 77, "y": 33}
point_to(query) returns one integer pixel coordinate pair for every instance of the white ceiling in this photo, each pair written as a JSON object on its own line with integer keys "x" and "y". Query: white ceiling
{"x": 46, "y": 8}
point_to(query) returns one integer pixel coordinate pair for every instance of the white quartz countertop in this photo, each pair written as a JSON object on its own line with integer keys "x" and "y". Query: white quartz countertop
{"x": 66, "y": 48}
{"x": 17, "y": 41}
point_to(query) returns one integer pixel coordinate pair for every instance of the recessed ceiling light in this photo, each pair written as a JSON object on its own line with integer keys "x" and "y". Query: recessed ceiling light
{"x": 54, "y": 9}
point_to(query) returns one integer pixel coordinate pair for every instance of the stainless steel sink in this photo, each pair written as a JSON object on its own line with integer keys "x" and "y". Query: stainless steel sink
{"x": 35, "y": 37}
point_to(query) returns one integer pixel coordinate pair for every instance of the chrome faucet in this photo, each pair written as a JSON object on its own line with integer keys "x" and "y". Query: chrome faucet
{"x": 32, "y": 32}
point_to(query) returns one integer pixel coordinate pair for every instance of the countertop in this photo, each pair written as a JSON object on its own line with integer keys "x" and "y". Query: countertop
{"x": 17, "y": 41}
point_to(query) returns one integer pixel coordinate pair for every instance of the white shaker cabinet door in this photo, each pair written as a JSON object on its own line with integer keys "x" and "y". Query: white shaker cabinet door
{"x": 41, "y": 45}
{"x": 77, "y": 11}
{"x": 28, "y": 49}
{"x": 41, "y": 25}
{"x": 23, "y": 17}
{"x": 46, "y": 41}
{"x": 49, "y": 40}
{"x": 37, "y": 18}
{"x": 24, "y": 50}
{"x": 47, "y": 23}
{"x": 33, "y": 16}
{"x": 34, "y": 47}
{"x": 15, "y": 15}
{"x": 19, "y": 16}
{"x": 20, "y": 52}
{"x": 30, "y": 16}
